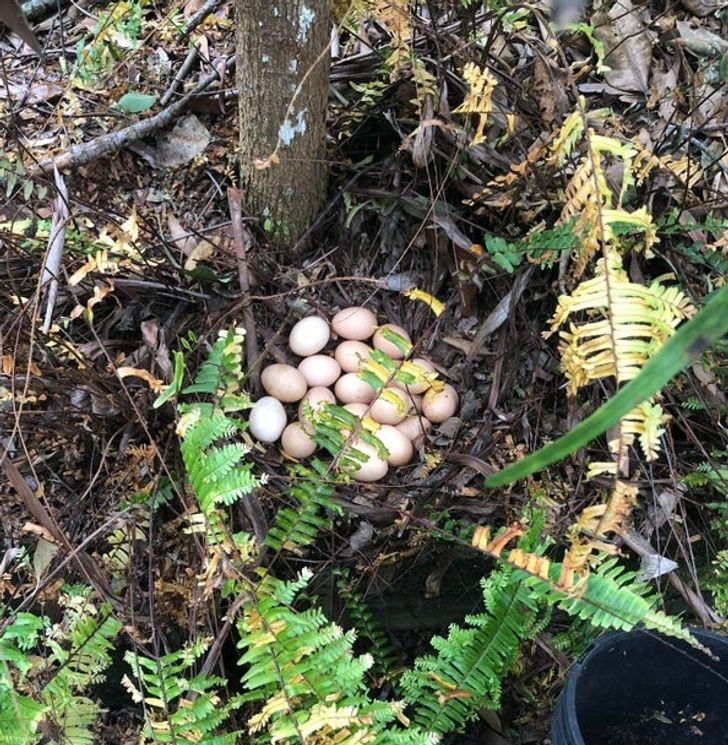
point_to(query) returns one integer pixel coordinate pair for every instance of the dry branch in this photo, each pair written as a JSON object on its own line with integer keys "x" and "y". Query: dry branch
{"x": 79, "y": 155}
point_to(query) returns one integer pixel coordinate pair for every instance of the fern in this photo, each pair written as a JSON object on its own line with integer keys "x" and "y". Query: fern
{"x": 447, "y": 689}
{"x": 73, "y": 655}
{"x": 298, "y": 525}
{"x": 311, "y": 687}
{"x": 215, "y": 467}
{"x": 609, "y": 597}
{"x": 181, "y": 708}
{"x": 367, "y": 626}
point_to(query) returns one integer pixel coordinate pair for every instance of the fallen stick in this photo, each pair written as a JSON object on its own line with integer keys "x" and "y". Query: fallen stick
{"x": 79, "y": 155}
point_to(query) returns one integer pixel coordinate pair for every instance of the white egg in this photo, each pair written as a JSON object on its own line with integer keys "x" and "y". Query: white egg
{"x": 438, "y": 407}
{"x": 373, "y": 469}
{"x": 319, "y": 369}
{"x": 389, "y": 347}
{"x": 350, "y": 353}
{"x": 283, "y": 382}
{"x": 399, "y": 445}
{"x": 391, "y": 406}
{"x": 309, "y": 335}
{"x": 297, "y": 442}
{"x": 351, "y": 389}
{"x": 354, "y": 323}
{"x": 267, "y": 419}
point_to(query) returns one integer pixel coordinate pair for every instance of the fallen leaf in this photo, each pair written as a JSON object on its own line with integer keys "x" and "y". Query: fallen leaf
{"x": 627, "y": 46}
{"x": 43, "y": 555}
{"x": 203, "y": 250}
{"x": 154, "y": 383}
{"x": 180, "y": 236}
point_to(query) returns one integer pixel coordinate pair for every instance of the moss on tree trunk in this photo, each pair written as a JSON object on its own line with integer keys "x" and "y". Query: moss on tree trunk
{"x": 282, "y": 76}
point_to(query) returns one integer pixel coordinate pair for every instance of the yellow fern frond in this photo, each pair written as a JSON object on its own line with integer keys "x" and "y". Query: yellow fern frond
{"x": 646, "y": 422}
{"x": 564, "y": 142}
{"x": 631, "y": 322}
{"x": 479, "y": 99}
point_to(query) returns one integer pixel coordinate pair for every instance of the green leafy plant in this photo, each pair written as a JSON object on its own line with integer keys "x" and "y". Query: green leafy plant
{"x": 47, "y": 670}
{"x": 181, "y": 706}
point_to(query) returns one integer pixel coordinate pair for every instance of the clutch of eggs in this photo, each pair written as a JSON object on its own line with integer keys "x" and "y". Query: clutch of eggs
{"x": 400, "y": 415}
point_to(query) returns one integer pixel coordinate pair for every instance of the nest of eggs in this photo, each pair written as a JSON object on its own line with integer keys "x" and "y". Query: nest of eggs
{"x": 365, "y": 400}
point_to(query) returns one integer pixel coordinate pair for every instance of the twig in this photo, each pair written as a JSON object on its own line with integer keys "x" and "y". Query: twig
{"x": 241, "y": 238}
{"x": 182, "y": 73}
{"x": 107, "y": 144}
{"x": 56, "y": 242}
{"x": 196, "y": 19}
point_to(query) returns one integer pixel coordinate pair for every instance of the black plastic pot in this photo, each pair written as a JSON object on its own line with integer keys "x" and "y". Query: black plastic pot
{"x": 640, "y": 688}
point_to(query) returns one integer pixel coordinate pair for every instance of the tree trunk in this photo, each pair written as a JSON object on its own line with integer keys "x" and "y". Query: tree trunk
{"x": 282, "y": 76}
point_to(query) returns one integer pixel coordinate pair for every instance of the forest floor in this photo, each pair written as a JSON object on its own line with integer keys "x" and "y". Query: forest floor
{"x": 415, "y": 201}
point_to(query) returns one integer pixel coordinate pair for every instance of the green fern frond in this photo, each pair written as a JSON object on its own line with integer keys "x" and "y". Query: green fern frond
{"x": 300, "y": 524}
{"x": 302, "y": 669}
{"x": 74, "y": 653}
{"x": 180, "y": 708}
{"x": 217, "y": 472}
{"x": 367, "y": 626}
{"x": 447, "y": 689}
{"x": 609, "y": 598}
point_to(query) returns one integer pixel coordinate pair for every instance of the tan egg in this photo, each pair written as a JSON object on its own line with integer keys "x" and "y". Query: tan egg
{"x": 438, "y": 407}
{"x": 373, "y": 469}
{"x": 416, "y": 401}
{"x": 415, "y": 428}
{"x": 389, "y": 347}
{"x": 297, "y": 442}
{"x": 358, "y": 410}
{"x": 423, "y": 367}
{"x": 399, "y": 445}
{"x": 283, "y": 382}
{"x": 267, "y": 419}
{"x": 391, "y": 406}
{"x": 350, "y": 389}
{"x": 354, "y": 323}
{"x": 350, "y": 353}
{"x": 308, "y": 336}
{"x": 317, "y": 397}
{"x": 319, "y": 369}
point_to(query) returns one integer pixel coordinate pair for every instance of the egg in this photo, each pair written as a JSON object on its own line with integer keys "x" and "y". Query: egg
{"x": 283, "y": 382}
{"x": 354, "y": 323}
{"x": 351, "y": 389}
{"x": 358, "y": 410}
{"x": 415, "y": 428}
{"x": 297, "y": 442}
{"x": 267, "y": 419}
{"x": 350, "y": 353}
{"x": 373, "y": 469}
{"x": 422, "y": 367}
{"x": 308, "y": 336}
{"x": 390, "y": 407}
{"x": 438, "y": 407}
{"x": 389, "y": 347}
{"x": 319, "y": 369}
{"x": 316, "y": 398}
{"x": 398, "y": 444}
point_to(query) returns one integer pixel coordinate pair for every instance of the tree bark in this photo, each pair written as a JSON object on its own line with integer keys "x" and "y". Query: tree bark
{"x": 282, "y": 77}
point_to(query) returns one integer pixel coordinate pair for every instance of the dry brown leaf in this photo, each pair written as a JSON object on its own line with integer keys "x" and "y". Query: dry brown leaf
{"x": 627, "y": 46}
{"x": 180, "y": 237}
